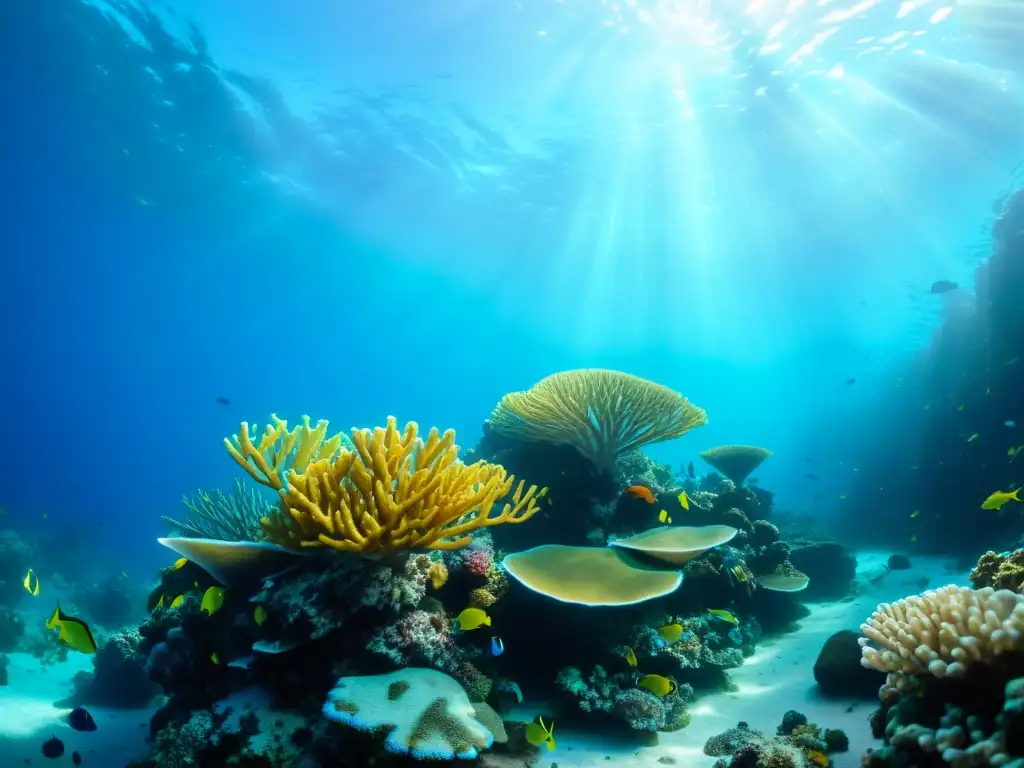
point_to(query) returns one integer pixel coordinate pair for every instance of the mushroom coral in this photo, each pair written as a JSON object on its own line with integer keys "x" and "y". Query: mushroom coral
{"x": 736, "y": 462}
{"x": 601, "y": 413}
{"x": 394, "y": 492}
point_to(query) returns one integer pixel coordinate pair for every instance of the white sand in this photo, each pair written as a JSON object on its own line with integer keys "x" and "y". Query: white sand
{"x": 28, "y": 717}
{"x": 777, "y": 678}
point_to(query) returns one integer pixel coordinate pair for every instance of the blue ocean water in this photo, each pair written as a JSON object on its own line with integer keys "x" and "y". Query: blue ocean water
{"x": 215, "y": 211}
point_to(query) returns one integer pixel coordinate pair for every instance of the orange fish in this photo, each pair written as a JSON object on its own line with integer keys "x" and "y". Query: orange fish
{"x": 641, "y": 492}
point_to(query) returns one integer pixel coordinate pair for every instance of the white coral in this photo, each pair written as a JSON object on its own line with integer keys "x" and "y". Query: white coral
{"x": 942, "y": 631}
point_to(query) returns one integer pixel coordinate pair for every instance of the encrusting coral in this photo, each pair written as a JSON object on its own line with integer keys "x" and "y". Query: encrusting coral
{"x": 395, "y": 492}
{"x": 941, "y": 632}
{"x": 1005, "y": 571}
{"x": 601, "y": 413}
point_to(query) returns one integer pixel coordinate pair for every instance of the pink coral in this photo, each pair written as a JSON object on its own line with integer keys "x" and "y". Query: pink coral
{"x": 417, "y": 637}
{"x": 479, "y": 562}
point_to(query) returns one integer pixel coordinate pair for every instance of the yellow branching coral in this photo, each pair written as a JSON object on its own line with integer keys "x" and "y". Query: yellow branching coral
{"x": 394, "y": 492}
{"x": 601, "y": 413}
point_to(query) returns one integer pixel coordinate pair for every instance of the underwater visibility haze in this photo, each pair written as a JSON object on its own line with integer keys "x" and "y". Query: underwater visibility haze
{"x": 501, "y": 384}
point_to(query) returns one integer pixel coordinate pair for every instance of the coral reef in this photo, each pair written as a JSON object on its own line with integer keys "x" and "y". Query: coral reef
{"x": 796, "y": 744}
{"x": 217, "y": 515}
{"x": 830, "y": 566}
{"x": 1005, "y": 571}
{"x": 615, "y": 694}
{"x": 119, "y": 677}
{"x": 12, "y": 629}
{"x": 736, "y": 462}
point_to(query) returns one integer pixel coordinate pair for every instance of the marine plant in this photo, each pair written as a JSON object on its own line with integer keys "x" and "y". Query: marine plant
{"x": 603, "y": 414}
{"x": 395, "y": 492}
{"x": 217, "y": 515}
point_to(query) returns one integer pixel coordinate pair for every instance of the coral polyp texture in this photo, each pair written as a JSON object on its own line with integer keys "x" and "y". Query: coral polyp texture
{"x": 394, "y": 492}
{"x": 425, "y": 713}
{"x": 603, "y": 414}
{"x": 736, "y": 462}
{"x": 941, "y": 632}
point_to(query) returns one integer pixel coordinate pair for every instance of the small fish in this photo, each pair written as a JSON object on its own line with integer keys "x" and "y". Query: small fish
{"x": 997, "y": 499}
{"x": 663, "y": 517}
{"x": 180, "y": 563}
{"x": 1010, "y": 423}
{"x": 124, "y": 574}
{"x": 159, "y": 603}
{"x": 45, "y": 516}
{"x": 724, "y": 616}
{"x": 671, "y": 633}
{"x": 641, "y": 492}
{"x": 76, "y": 758}
{"x": 31, "y": 583}
{"x": 973, "y": 437}
{"x": 259, "y": 615}
{"x": 960, "y": 407}
{"x": 497, "y": 646}
{"x": 842, "y": 497}
{"x": 740, "y": 574}
{"x": 53, "y": 748}
{"x": 213, "y": 599}
{"x": 471, "y": 618}
{"x": 243, "y": 662}
{"x": 177, "y": 601}
{"x": 943, "y": 286}
{"x": 73, "y": 632}
{"x": 689, "y": 471}
{"x": 658, "y": 685}
{"x": 81, "y": 720}
{"x": 684, "y": 500}
{"x": 215, "y": 658}
{"x": 223, "y": 401}
{"x": 913, "y": 539}
{"x": 1013, "y": 453}
{"x": 851, "y": 380}
{"x": 915, "y": 513}
{"x": 537, "y": 733}
{"x": 631, "y": 657}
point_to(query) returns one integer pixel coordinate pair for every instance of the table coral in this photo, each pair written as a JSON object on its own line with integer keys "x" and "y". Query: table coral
{"x": 395, "y": 492}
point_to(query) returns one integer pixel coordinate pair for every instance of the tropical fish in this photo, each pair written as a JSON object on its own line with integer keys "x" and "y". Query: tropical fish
{"x": 684, "y": 500}
{"x": 641, "y": 492}
{"x": 723, "y": 615}
{"x": 53, "y": 748}
{"x": 670, "y": 633}
{"x": 159, "y": 603}
{"x": 259, "y": 615}
{"x": 471, "y": 618}
{"x": 497, "y": 646}
{"x": 943, "y": 286}
{"x": 657, "y": 684}
{"x": 973, "y": 437}
{"x": 73, "y": 632}
{"x": 31, "y": 583}
{"x": 997, "y": 499}
{"x": 663, "y": 517}
{"x": 180, "y": 563}
{"x": 221, "y": 400}
{"x": 1010, "y": 423}
{"x": 81, "y": 720}
{"x": 215, "y": 658}
{"x": 177, "y": 601}
{"x": 842, "y": 496}
{"x": 213, "y": 599}
{"x": 537, "y": 733}
{"x": 76, "y": 759}
{"x": 739, "y": 573}
{"x": 631, "y": 657}
{"x": 915, "y": 513}
{"x": 511, "y": 687}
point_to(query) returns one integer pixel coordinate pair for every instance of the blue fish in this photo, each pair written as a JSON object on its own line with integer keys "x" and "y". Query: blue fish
{"x": 497, "y": 646}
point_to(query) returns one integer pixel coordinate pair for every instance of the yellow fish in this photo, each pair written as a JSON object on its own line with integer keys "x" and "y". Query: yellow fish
{"x": 159, "y": 603}
{"x": 176, "y": 601}
{"x": 259, "y": 615}
{"x": 471, "y": 618}
{"x": 915, "y": 513}
{"x": 739, "y": 573}
{"x": 630, "y": 657}
{"x": 180, "y": 563}
{"x": 684, "y": 501}
{"x": 537, "y": 733}
{"x": 213, "y": 599}
{"x": 31, "y": 583}
{"x": 997, "y": 499}
{"x": 973, "y": 437}
{"x": 724, "y": 616}
{"x": 658, "y": 685}
{"x": 671, "y": 633}
{"x": 73, "y": 632}
{"x": 215, "y": 658}
{"x": 663, "y": 517}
